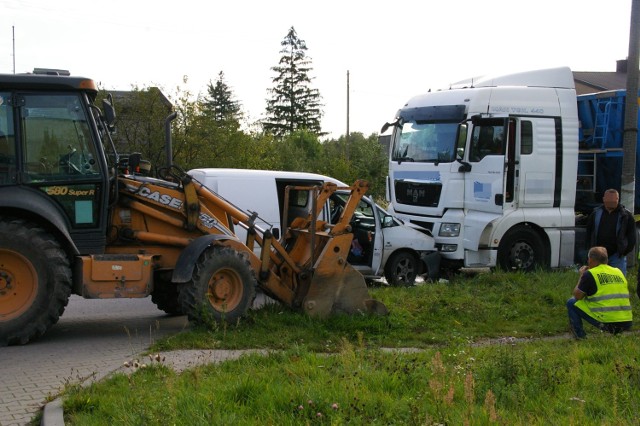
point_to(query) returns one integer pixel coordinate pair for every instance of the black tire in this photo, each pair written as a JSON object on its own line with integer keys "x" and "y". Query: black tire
{"x": 522, "y": 249}
{"x": 35, "y": 281}
{"x": 401, "y": 269}
{"x": 222, "y": 288}
{"x": 165, "y": 294}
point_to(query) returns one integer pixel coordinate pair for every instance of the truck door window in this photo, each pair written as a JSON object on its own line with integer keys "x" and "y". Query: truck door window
{"x": 488, "y": 138}
{"x": 7, "y": 141}
{"x": 56, "y": 140}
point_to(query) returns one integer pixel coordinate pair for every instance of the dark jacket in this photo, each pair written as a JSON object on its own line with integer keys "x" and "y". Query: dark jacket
{"x": 625, "y": 229}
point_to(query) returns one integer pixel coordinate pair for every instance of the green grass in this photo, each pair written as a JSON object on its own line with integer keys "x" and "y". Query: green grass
{"x": 466, "y": 308}
{"x": 334, "y": 372}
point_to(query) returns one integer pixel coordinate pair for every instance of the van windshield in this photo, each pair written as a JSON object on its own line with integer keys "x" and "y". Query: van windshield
{"x": 425, "y": 142}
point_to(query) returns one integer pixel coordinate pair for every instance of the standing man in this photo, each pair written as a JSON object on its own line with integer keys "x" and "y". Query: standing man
{"x": 601, "y": 297}
{"x": 612, "y": 226}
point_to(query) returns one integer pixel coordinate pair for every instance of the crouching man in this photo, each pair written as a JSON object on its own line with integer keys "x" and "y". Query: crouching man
{"x": 601, "y": 297}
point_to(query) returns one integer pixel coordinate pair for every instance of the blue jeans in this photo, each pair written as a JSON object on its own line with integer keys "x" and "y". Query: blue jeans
{"x": 576, "y": 315}
{"x": 619, "y": 262}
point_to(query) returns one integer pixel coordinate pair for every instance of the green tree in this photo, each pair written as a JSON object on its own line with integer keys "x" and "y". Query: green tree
{"x": 299, "y": 151}
{"x": 293, "y": 104}
{"x": 190, "y": 131}
{"x": 220, "y": 105}
{"x": 140, "y": 115}
{"x": 367, "y": 160}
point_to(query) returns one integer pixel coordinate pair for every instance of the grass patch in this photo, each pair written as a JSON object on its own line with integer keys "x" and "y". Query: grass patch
{"x": 466, "y": 308}
{"x": 531, "y": 383}
{"x": 335, "y": 371}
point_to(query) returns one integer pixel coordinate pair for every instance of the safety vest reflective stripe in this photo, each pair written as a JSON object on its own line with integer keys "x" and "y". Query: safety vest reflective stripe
{"x": 609, "y": 296}
{"x": 611, "y": 308}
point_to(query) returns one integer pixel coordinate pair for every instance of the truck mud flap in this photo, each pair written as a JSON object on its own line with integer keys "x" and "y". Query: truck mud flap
{"x": 432, "y": 261}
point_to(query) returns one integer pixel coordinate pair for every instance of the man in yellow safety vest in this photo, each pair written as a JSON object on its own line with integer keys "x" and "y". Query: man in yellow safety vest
{"x": 601, "y": 297}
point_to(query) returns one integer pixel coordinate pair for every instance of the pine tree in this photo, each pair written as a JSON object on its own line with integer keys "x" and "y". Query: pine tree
{"x": 294, "y": 105}
{"x": 220, "y": 105}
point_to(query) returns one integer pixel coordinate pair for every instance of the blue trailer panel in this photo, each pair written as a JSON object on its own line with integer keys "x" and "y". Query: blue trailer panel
{"x": 601, "y": 147}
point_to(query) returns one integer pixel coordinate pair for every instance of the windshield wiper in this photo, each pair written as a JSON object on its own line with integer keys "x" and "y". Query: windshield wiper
{"x": 401, "y": 159}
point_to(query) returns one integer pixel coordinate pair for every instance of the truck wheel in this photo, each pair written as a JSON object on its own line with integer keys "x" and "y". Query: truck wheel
{"x": 165, "y": 294}
{"x": 35, "y": 281}
{"x": 522, "y": 249}
{"x": 401, "y": 269}
{"x": 222, "y": 288}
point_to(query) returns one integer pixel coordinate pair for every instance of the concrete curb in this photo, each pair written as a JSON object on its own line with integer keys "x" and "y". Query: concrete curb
{"x": 53, "y": 414}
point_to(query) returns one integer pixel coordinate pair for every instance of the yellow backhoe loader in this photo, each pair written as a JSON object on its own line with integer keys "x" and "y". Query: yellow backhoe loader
{"x": 77, "y": 219}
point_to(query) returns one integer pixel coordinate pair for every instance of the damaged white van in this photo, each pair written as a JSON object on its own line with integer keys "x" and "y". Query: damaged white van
{"x": 382, "y": 245}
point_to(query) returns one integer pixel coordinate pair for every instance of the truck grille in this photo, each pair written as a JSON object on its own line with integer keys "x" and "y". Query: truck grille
{"x": 418, "y": 194}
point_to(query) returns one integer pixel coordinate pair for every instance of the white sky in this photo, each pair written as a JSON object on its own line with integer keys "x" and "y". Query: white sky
{"x": 393, "y": 50}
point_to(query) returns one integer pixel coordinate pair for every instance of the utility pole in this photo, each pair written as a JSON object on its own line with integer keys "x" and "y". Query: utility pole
{"x": 346, "y": 136}
{"x": 630, "y": 136}
{"x": 13, "y": 31}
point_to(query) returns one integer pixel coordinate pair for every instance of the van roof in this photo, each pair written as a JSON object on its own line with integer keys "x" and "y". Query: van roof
{"x": 261, "y": 174}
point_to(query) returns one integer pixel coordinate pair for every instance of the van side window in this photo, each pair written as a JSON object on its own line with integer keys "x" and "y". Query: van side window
{"x": 526, "y": 137}
{"x": 298, "y": 198}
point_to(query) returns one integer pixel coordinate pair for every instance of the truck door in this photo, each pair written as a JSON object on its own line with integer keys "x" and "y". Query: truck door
{"x": 367, "y": 246}
{"x": 485, "y": 183}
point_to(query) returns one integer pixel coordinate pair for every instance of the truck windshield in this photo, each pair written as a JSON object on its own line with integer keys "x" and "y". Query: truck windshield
{"x": 425, "y": 142}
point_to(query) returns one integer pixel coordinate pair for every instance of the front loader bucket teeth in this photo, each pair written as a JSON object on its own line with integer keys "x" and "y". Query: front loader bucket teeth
{"x": 345, "y": 292}
{"x": 336, "y": 287}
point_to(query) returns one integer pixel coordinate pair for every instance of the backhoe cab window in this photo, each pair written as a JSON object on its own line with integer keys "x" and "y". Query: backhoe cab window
{"x": 426, "y": 142}
{"x": 56, "y": 139}
{"x": 7, "y": 141}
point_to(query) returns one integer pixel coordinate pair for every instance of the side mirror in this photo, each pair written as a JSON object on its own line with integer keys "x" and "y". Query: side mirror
{"x": 109, "y": 113}
{"x": 464, "y": 167}
{"x": 387, "y": 221}
{"x": 134, "y": 161}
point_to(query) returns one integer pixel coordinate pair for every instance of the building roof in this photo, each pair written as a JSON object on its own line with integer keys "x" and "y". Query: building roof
{"x": 126, "y": 94}
{"x": 596, "y": 81}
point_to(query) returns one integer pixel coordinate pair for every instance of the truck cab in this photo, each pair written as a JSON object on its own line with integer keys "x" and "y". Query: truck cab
{"x": 489, "y": 166}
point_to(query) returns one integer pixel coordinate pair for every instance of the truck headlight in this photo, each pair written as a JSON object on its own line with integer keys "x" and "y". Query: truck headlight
{"x": 448, "y": 248}
{"x": 449, "y": 230}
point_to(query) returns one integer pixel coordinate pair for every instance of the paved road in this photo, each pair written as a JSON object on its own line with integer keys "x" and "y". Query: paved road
{"x": 93, "y": 337}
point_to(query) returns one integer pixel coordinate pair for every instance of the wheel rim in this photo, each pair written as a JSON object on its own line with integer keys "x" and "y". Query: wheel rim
{"x": 18, "y": 284}
{"x": 225, "y": 290}
{"x": 404, "y": 271}
{"x": 522, "y": 256}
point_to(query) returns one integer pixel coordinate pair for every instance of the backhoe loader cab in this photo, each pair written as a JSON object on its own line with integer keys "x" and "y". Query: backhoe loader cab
{"x": 75, "y": 219}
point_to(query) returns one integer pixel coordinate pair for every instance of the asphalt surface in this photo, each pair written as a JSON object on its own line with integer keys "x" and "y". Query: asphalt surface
{"x": 92, "y": 339}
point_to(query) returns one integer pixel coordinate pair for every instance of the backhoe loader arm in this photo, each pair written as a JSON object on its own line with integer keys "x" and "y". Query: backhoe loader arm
{"x": 310, "y": 272}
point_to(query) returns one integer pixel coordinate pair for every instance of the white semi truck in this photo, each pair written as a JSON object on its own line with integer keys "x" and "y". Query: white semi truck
{"x": 490, "y": 167}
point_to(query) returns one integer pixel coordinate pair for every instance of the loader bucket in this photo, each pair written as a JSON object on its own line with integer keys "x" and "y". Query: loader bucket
{"x": 336, "y": 287}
